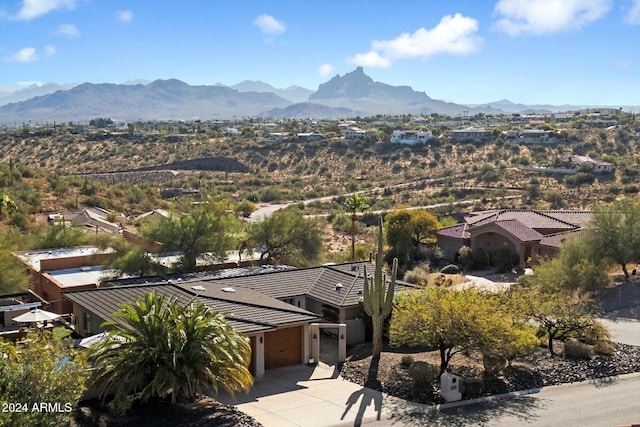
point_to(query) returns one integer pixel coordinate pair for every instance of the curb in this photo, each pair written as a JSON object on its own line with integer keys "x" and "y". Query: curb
{"x": 484, "y": 399}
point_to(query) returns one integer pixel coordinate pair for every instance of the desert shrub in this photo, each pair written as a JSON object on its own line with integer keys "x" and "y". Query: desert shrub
{"x": 406, "y": 360}
{"x": 419, "y": 275}
{"x": 342, "y": 224}
{"x": 480, "y": 259}
{"x": 465, "y": 257}
{"x": 594, "y": 334}
{"x": 423, "y": 372}
{"x": 493, "y": 364}
{"x": 430, "y": 254}
{"x": 574, "y": 349}
{"x": 604, "y": 347}
{"x": 450, "y": 269}
{"x": 505, "y": 259}
{"x": 473, "y": 387}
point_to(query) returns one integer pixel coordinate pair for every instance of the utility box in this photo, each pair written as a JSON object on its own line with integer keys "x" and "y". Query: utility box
{"x": 450, "y": 387}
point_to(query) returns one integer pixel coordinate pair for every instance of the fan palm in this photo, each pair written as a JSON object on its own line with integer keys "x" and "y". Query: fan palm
{"x": 165, "y": 349}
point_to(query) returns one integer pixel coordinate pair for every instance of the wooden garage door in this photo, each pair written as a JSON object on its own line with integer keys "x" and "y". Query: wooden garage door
{"x": 283, "y": 348}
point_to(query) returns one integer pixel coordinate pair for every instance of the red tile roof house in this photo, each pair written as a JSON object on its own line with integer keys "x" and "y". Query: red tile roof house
{"x": 532, "y": 234}
{"x": 275, "y": 309}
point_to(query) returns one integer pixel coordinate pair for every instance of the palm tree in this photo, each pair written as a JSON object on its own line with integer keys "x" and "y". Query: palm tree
{"x": 165, "y": 349}
{"x": 355, "y": 204}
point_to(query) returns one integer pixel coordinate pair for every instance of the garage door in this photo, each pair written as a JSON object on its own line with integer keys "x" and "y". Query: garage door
{"x": 283, "y": 348}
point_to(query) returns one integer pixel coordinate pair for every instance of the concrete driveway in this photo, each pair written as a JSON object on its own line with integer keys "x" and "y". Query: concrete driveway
{"x": 315, "y": 396}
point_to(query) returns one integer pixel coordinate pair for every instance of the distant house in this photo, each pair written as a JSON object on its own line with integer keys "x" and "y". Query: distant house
{"x": 231, "y": 131}
{"x": 279, "y": 136}
{"x": 353, "y": 133}
{"x": 597, "y": 166}
{"x": 56, "y": 271}
{"x": 535, "y": 136}
{"x": 470, "y": 134}
{"x": 310, "y": 136}
{"x": 532, "y": 234}
{"x": 410, "y": 136}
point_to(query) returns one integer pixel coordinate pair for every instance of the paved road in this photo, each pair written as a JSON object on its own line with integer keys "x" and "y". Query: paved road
{"x": 626, "y": 331}
{"x": 607, "y": 403}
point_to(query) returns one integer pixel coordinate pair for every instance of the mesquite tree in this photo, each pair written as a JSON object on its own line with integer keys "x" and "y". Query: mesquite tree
{"x": 378, "y": 295}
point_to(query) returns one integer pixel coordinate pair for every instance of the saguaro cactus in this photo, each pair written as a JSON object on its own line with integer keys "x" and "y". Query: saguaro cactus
{"x": 378, "y": 296}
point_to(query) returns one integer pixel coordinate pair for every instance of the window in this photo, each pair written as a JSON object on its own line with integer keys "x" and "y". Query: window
{"x": 86, "y": 321}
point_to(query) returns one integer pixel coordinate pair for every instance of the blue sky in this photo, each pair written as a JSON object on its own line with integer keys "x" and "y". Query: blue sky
{"x": 530, "y": 51}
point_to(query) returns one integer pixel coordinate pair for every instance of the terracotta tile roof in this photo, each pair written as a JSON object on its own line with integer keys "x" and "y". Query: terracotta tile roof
{"x": 247, "y": 310}
{"x": 537, "y": 220}
{"x": 519, "y": 230}
{"x": 555, "y": 240}
{"x": 577, "y": 218}
{"x": 458, "y": 231}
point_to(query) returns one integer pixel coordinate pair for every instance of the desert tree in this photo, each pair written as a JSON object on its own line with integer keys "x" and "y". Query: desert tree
{"x": 206, "y": 228}
{"x": 286, "y": 237}
{"x": 354, "y": 204}
{"x": 614, "y": 233}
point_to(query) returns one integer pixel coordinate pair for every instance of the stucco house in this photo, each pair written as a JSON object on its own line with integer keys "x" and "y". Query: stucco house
{"x": 597, "y": 166}
{"x": 56, "y": 271}
{"x": 279, "y": 309}
{"x": 532, "y": 234}
{"x": 279, "y": 333}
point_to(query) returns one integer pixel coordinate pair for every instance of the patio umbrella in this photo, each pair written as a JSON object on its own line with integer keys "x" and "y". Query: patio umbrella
{"x": 36, "y": 315}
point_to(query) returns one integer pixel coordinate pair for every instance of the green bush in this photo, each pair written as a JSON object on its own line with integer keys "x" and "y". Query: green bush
{"x": 423, "y": 372}
{"x": 574, "y": 349}
{"x": 407, "y": 360}
{"x": 473, "y": 387}
{"x": 493, "y": 364}
{"x": 504, "y": 260}
{"x": 450, "y": 269}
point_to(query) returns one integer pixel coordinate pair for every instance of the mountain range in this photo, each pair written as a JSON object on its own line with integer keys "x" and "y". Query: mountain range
{"x": 350, "y": 95}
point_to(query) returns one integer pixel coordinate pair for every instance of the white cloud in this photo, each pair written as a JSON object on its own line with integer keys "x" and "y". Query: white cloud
{"x": 124, "y": 15}
{"x": 68, "y": 30}
{"x": 370, "y": 59}
{"x": 454, "y": 35}
{"x": 325, "y": 69}
{"x": 27, "y": 54}
{"x": 547, "y": 16}
{"x": 633, "y": 16}
{"x": 623, "y": 65}
{"x": 50, "y": 50}
{"x": 33, "y": 8}
{"x": 270, "y": 25}
{"x": 30, "y": 83}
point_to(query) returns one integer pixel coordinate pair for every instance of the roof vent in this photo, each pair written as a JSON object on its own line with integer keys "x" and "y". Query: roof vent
{"x": 354, "y": 268}
{"x": 338, "y": 287}
{"x": 228, "y": 290}
{"x": 360, "y": 292}
{"x": 198, "y": 288}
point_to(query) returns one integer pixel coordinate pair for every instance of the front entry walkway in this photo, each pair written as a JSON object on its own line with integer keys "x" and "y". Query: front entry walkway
{"x": 313, "y": 396}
